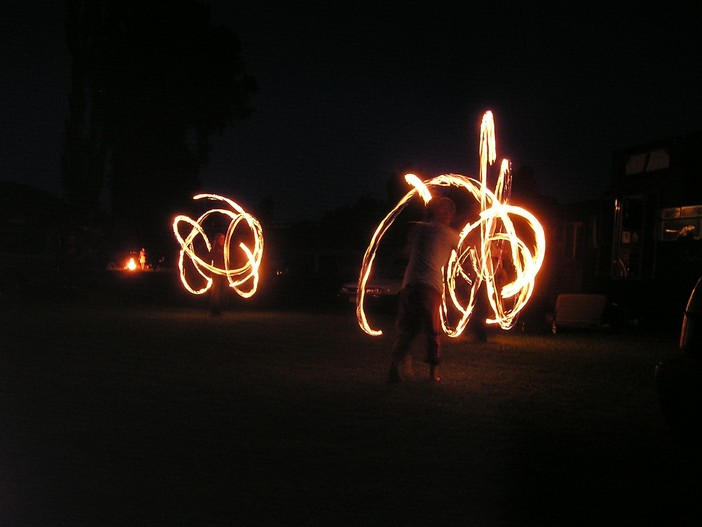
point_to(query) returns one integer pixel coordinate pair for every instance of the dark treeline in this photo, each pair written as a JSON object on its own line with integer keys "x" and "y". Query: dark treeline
{"x": 151, "y": 83}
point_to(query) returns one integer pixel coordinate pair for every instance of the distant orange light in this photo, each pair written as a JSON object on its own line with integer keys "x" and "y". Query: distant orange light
{"x": 501, "y": 240}
{"x": 131, "y": 265}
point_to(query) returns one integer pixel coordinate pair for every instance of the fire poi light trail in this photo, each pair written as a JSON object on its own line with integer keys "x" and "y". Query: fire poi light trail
{"x": 244, "y": 278}
{"x": 472, "y": 264}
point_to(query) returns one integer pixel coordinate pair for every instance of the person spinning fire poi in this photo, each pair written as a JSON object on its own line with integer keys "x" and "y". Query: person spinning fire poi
{"x": 420, "y": 297}
{"x": 219, "y": 282}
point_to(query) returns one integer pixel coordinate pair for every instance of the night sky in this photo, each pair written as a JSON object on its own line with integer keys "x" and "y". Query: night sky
{"x": 352, "y": 91}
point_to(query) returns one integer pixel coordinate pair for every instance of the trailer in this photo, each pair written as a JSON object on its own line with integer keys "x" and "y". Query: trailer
{"x": 578, "y": 310}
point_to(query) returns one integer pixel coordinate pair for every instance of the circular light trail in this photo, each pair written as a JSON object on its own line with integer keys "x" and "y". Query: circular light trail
{"x": 502, "y": 237}
{"x": 244, "y": 278}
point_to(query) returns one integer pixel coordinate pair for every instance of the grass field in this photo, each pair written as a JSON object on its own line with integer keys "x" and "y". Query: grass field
{"x": 133, "y": 413}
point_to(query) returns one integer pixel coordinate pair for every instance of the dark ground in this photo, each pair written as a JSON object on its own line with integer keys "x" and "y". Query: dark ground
{"x": 128, "y": 409}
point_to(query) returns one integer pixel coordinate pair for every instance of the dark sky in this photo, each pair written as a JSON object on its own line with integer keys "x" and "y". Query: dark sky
{"x": 351, "y": 91}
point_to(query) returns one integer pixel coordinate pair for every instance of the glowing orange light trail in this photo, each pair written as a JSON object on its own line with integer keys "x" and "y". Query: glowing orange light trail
{"x": 420, "y": 186}
{"x": 473, "y": 264}
{"x": 243, "y": 279}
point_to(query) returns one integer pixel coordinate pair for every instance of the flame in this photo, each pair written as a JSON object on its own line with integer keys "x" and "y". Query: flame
{"x": 508, "y": 236}
{"x": 417, "y": 183}
{"x": 131, "y": 265}
{"x": 243, "y": 279}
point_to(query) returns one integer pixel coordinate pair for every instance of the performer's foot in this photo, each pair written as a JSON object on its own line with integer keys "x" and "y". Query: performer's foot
{"x": 408, "y": 369}
{"x": 434, "y": 374}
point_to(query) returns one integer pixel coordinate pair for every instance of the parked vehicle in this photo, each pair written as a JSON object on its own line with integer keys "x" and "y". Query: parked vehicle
{"x": 376, "y": 288}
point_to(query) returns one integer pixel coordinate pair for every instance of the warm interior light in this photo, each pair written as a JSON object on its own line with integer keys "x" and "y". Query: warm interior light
{"x": 502, "y": 236}
{"x": 241, "y": 269}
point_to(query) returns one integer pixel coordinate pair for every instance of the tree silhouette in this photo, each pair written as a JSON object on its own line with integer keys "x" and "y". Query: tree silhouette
{"x": 151, "y": 82}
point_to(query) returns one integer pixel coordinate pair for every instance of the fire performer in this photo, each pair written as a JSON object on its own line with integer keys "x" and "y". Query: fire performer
{"x": 422, "y": 287}
{"x": 219, "y": 282}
